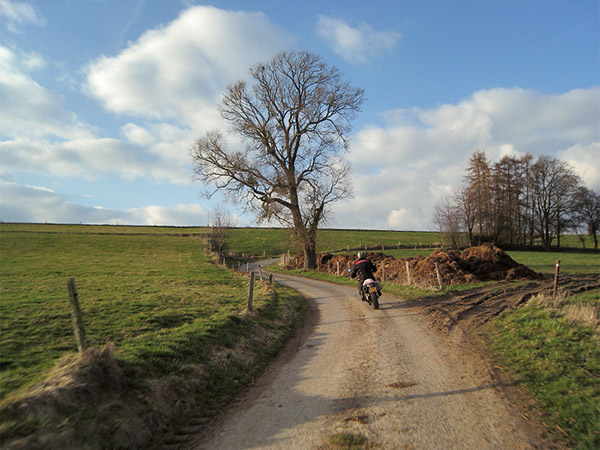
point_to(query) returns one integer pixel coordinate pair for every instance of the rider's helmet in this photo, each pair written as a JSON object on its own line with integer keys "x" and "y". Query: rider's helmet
{"x": 361, "y": 255}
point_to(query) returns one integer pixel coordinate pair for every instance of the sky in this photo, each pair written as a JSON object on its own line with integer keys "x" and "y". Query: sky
{"x": 101, "y": 100}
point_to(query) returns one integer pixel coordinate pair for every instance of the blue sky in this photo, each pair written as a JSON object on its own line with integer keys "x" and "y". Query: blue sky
{"x": 100, "y": 100}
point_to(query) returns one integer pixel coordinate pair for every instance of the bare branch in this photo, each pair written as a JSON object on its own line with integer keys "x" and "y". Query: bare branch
{"x": 294, "y": 120}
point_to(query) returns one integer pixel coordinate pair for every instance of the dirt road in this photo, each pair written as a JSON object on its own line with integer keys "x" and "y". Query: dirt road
{"x": 383, "y": 375}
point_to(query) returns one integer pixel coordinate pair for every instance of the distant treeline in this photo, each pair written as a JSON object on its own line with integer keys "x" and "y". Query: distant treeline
{"x": 518, "y": 202}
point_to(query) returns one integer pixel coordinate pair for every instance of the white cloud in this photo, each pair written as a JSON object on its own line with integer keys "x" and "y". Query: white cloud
{"x": 14, "y": 15}
{"x": 585, "y": 160}
{"x": 403, "y": 168}
{"x": 181, "y": 214}
{"x": 356, "y": 45}
{"x": 137, "y": 135}
{"x": 175, "y": 73}
{"x": 22, "y": 203}
{"x": 178, "y": 72}
{"x": 28, "y": 108}
{"x": 95, "y": 157}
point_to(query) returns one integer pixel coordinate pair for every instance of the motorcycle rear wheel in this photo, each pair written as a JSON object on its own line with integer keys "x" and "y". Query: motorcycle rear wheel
{"x": 374, "y": 300}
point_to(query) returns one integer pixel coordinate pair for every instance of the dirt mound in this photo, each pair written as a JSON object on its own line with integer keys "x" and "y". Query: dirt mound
{"x": 483, "y": 263}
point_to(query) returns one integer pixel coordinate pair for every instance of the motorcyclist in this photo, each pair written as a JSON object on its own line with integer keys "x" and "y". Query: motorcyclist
{"x": 364, "y": 268}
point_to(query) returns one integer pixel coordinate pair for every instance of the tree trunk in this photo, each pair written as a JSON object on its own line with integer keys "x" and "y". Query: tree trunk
{"x": 310, "y": 256}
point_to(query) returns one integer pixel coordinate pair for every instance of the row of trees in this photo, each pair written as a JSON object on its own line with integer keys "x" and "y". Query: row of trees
{"x": 518, "y": 201}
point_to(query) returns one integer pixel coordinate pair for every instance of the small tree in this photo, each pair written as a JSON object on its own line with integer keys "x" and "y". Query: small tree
{"x": 294, "y": 120}
{"x": 448, "y": 218}
{"x": 219, "y": 221}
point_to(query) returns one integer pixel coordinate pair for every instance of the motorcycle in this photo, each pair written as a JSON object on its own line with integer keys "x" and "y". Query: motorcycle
{"x": 371, "y": 291}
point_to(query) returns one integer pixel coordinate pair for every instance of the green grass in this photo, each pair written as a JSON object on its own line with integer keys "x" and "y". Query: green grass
{"x": 559, "y": 361}
{"x": 154, "y": 294}
{"x": 131, "y": 287}
{"x": 348, "y": 441}
{"x": 545, "y": 262}
{"x": 258, "y": 242}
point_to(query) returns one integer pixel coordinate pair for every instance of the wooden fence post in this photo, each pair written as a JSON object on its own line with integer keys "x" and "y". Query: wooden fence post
{"x": 407, "y": 272}
{"x": 382, "y": 271}
{"x": 76, "y": 318}
{"x": 251, "y": 293}
{"x": 338, "y": 269}
{"x": 439, "y": 275}
{"x": 556, "y": 272}
{"x": 260, "y": 272}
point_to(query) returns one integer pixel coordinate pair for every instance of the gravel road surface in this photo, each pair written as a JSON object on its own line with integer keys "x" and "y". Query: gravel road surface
{"x": 383, "y": 375}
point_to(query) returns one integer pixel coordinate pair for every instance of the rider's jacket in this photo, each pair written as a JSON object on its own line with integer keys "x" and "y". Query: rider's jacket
{"x": 364, "y": 268}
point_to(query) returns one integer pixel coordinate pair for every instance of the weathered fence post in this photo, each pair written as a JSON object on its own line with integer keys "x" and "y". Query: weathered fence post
{"x": 407, "y": 272}
{"x": 556, "y": 272}
{"x": 382, "y": 271}
{"x": 338, "y": 269}
{"x": 260, "y": 272}
{"x": 251, "y": 293}
{"x": 247, "y": 267}
{"x": 439, "y": 275}
{"x": 76, "y": 318}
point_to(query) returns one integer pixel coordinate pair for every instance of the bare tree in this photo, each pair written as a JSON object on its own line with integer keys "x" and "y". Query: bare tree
{"x": 448, "y": 218}
{"x": 507, "y": 193}
{"x": 464, "y": 202}
{"x": 219, "y": 221}
{"x": 479, "y": 190}
{"x": 587, "y": 212}
{"x": 554, "y": 184}
{"x": 294, "y": 119}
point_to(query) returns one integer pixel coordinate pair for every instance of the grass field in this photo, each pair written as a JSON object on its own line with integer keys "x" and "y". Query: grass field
{"x": 258, "y": 242}
{"x": 154, "y": 294}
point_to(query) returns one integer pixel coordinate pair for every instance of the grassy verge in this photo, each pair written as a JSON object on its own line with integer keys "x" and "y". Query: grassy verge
{"x": 402, "y": 291}
{"x": 170, "y": 338}
{"x": 553, "y": 348}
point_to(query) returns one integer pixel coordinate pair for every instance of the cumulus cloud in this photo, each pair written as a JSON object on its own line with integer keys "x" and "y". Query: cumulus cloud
{"x": 403, "y": 168}
{"x": 170, "y": 79}
{"x": 178, "y": 72}
{"x": 23, "y": 203}
{"x": 28, "y": 108}
{"x": 357, "y": 45}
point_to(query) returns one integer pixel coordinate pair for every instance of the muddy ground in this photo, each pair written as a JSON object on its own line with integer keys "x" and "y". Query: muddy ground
{"x": 474, "y": 308}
